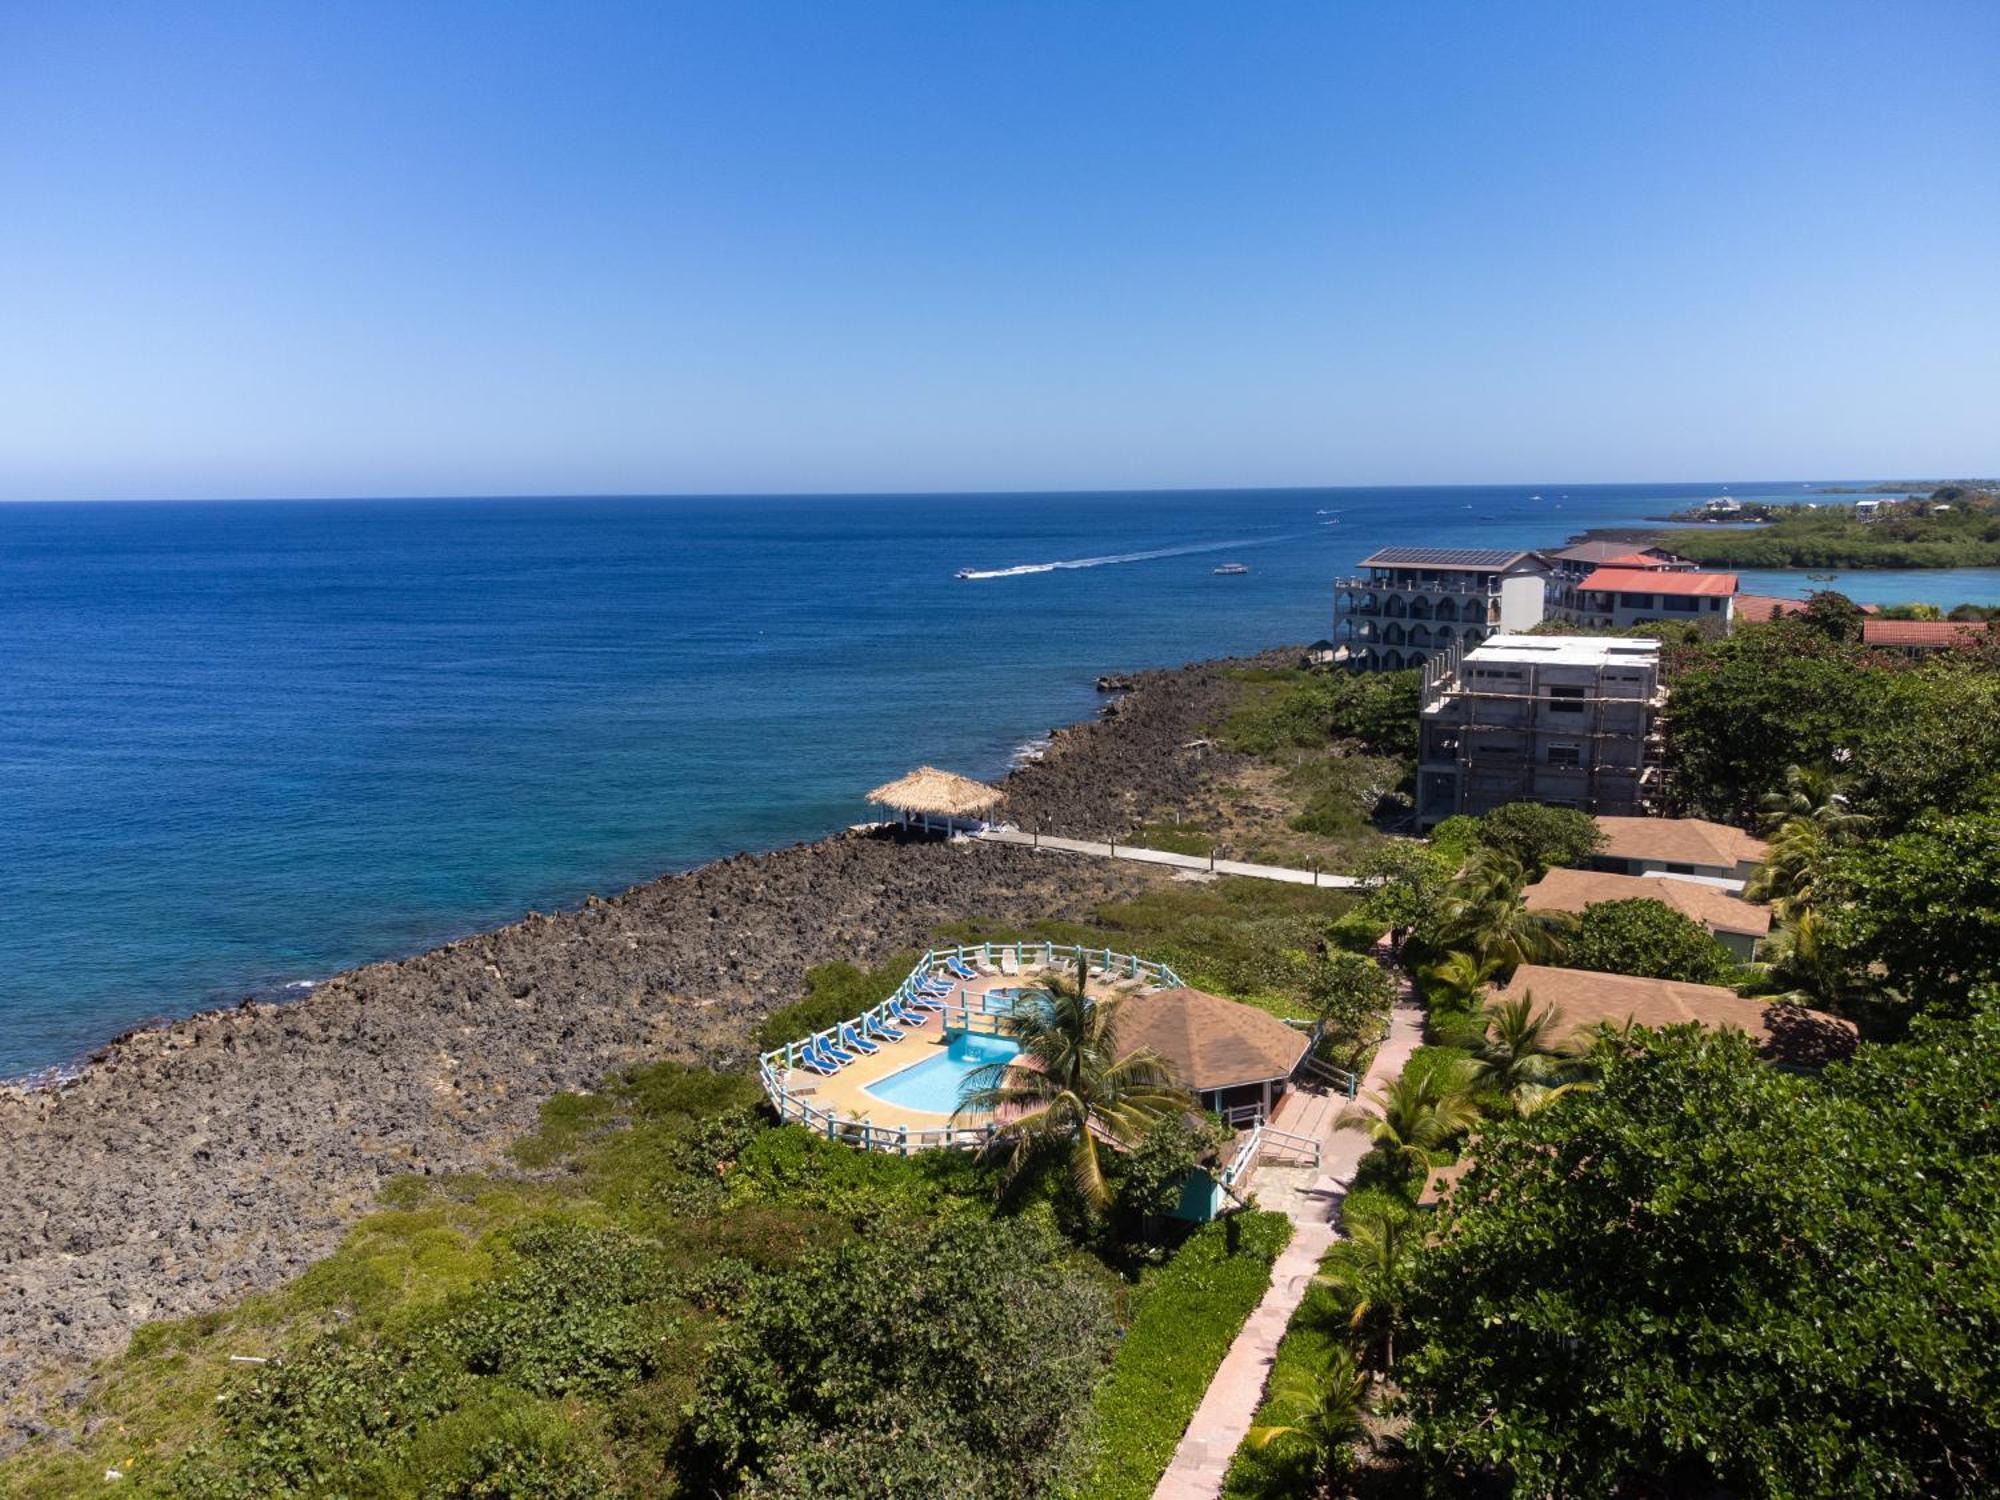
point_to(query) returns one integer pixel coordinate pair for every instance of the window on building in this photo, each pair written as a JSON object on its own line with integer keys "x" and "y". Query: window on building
{"x": 1680, "y": 869}
{"x": 1681, "y": 603}
{"x": 1566, "y": 700}
{"x": 1567, "y": 757}
{"x": 1636, "y": 601}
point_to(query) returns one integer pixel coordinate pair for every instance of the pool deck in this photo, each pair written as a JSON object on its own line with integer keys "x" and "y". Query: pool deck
{"x": 846, "y": 1094}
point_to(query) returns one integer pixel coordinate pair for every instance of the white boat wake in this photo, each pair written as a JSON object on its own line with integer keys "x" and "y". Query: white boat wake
{"x": 1023, "y": 569}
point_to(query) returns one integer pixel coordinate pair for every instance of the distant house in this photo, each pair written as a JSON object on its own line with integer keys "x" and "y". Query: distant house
{"x": 1678, "y": 846}
{"x": 1617, "y": 597}
{"x": 1575, "y": 563}
{"x": 1758, "y": 608}
{"x": 1737, "y": 924}
{"x": 1237, "y": 1060}
{"x": 1788, "y": 1035}
{"x": 1722, "y": 505}
{"x": 1922, "y": 637}
{"x": 1410, "y": 603}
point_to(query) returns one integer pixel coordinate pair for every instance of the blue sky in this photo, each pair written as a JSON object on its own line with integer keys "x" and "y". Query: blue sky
{"x": 275, "y": 249}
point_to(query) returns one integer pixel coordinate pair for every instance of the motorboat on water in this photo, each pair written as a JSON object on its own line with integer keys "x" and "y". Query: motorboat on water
{"x": 1232, "y": 569}
{"x": 964, "y": 573}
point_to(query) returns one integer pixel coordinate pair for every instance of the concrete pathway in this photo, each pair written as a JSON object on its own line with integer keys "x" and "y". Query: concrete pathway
{"x": 1323, "y": 879}
{"x": 1224, "y": 1416}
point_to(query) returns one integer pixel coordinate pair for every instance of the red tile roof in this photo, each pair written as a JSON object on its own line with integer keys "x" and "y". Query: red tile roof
{"x": 1764, "y": 606}
{"x": 1633, "y": 581}
{"x": 1920, "y": 632}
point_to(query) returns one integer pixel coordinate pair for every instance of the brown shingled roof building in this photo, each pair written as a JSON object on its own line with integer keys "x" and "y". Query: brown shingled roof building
{"x": 1678, "y": 846}
{"x": 1789, "y": 1035}
{"x": 1230, "y": 1055}
{"x": 1734, "y": 922}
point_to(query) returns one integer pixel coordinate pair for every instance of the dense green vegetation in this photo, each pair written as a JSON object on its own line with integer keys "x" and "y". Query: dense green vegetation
{"x": 1647, "y": 938}
{"x": 1253, "y": 940}
{"x": 1910, "y": 535}
{"x": 1307, "y": 710}
{"x": 1344, "y": 745}
{"x": 1709, "y": 1275}
{"x": 1186, "y": 1315}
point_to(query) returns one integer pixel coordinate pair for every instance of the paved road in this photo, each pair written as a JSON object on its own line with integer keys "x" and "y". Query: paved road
{"x": 1324, "y": 879}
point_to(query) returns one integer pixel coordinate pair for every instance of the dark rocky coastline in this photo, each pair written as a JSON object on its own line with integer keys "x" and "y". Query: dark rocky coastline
{"x": 189, "y": 1163}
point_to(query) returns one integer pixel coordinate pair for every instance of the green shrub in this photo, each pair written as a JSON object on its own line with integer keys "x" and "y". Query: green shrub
{"x": 1188, "y": 1312}
{"x": 973, "y": 1343}
{"x": 1647, "y": 938}
{"x": 835, "y": 992}
{"x": 1308, "y": 710}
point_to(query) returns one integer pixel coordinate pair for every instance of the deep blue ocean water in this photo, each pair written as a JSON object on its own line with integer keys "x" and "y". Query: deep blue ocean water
{"x": 245, "y": 745}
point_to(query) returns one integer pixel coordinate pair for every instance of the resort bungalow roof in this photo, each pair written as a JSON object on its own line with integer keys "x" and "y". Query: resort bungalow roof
{"x": 1679, "y": 841}
{"x": 1451, "y": 559}
{"x": 940, "y": 794}
{"x": 1761, "y": 607}
{"x": 1718, "y": 911}
{"x": 1786, "y": 1034}
{"x": 1640, "y": 581}
{"x": 1922, "y": 634}
{"x": 1211, "y": 1042}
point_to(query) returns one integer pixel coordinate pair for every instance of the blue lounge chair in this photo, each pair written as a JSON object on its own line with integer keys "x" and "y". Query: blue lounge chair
{"x": 821, "y": 1057}
{"x": 830, "y": 1048}
{"x": 875, "y": 1026}
{"x": 930, "y": 984}
{"x": 930, "y": 1003}
{"x": 849, "y": 1037}
{"x": 960, "y": 968}
{"x": 901, "y": 1008}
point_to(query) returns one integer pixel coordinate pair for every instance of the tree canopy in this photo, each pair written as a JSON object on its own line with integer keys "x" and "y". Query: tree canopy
{"x": 1538, "y": 837}
{"x": 1709, "y": 1274}
{"x": 1648, "y": 938}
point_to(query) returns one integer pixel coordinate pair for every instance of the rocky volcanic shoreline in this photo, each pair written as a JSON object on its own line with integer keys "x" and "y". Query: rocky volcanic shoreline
{"x": 192, "y": 1162}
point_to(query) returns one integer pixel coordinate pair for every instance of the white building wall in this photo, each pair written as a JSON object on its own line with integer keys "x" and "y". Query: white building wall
{"x": 1523, "y": 602}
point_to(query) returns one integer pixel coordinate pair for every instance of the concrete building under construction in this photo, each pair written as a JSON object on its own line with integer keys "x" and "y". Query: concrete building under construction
{"x": 1571, "y": 721}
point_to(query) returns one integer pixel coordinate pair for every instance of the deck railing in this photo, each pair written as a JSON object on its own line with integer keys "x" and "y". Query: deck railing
{"x": 774, "y": 1068}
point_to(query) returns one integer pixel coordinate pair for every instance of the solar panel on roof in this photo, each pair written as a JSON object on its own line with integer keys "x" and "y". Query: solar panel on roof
{"x": 1441, "y": 557}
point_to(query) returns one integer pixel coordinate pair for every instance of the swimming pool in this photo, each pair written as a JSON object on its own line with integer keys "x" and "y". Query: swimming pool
{"x": 932, "y": 1085}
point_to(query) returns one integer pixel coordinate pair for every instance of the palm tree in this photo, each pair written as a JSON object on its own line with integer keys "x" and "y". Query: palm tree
{"x": 1517, "y": 1052}
{"x": 1456, "y": 981}
{"x": 1071, "y": 1087}
{"x": 1368, "y": 1273}
{"x": 1789, "y": 877}
{"x": 1821, "y": 794}
{"x": 1420, "y": 1113}
{"x": 1328, "y": 1413}
{"x": 1488, "y": 917}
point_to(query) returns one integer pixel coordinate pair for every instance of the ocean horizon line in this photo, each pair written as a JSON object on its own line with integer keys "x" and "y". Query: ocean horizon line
{"x": 907, "y": 493}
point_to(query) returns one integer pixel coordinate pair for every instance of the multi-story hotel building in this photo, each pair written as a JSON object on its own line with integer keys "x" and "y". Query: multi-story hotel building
{"x": 1566, "y": 720}
{"x": 1409, "y": 603}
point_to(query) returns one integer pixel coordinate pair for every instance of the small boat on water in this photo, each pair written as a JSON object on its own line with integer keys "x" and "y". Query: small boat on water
{"x": 1232, "y": 569}
{"x": 963, "y": 573}
{"x": 1822, "y": 577}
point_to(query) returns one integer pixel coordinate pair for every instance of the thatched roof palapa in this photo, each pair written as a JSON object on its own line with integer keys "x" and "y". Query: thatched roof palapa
{"x": 939, "y": 794}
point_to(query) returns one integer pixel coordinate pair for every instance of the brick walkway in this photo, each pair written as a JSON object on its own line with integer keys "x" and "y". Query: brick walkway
{"x": 1309, "y": 1197}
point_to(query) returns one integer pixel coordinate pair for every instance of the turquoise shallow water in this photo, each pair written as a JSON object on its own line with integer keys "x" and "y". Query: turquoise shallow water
{"x": 243, "y": 746}
{"x": 935, "y": 1083}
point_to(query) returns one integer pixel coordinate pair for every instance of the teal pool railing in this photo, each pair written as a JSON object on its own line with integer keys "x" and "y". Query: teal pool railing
{"x": 776, "y": 1067}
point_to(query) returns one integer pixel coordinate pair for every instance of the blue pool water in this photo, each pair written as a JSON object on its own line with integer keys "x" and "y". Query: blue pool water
{"x": 933, "y": 1085}
{"x": 245, "y": 745}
